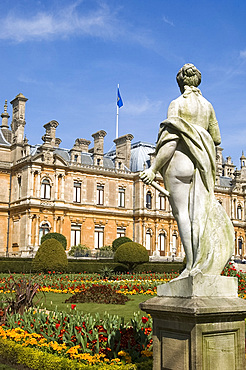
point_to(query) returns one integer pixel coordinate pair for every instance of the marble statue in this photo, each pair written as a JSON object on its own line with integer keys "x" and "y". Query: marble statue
{"x": 185, "y": 157}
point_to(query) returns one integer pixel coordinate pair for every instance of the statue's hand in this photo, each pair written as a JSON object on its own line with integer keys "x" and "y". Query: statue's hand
{"x": 147, "y": 176}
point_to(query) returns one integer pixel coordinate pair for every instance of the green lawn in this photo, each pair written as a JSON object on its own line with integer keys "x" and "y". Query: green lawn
{"x": 125, "y": 310}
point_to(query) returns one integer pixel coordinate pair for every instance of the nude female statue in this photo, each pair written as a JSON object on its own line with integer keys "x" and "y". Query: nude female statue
{"x": 185, "y": 156}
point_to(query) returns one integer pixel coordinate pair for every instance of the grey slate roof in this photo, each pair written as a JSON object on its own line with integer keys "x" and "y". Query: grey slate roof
{"x": 3, "y": 141}
{"x": 225, "y": 182}
{"x": 140, "y": 155}
{"x": 108, "y": 162}
{"x": 34, "y": 149}
{"x": 140, "y": 158}
{"x": 64, "y": 153}
{"x": 86, "y": 158}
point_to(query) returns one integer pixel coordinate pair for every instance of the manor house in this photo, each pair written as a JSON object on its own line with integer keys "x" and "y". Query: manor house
{"x": 92, "y": 197}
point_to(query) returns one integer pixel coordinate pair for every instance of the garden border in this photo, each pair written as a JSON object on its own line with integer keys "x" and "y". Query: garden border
{"x": 38, "y": 360}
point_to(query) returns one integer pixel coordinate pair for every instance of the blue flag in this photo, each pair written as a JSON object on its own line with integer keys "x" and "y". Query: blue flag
{"x": 119, "y": 100}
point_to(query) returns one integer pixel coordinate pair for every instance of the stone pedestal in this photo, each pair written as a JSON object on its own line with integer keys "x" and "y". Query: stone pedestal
{"x": 198, "y": 331}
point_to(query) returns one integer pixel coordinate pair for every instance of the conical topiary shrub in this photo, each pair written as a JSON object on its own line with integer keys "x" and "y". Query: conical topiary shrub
{"x": 50, "y": 256}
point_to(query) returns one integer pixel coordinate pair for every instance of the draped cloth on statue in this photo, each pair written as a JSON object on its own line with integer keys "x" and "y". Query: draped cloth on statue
{"x": 211, "y": 229}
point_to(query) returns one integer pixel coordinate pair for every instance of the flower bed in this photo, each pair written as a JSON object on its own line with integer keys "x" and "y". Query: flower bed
{"x": 129, "y": 284}
{"x": 98, "y": 294}
{"x": 36, "y": 359}
{"x": 90, "y": 340}
{"x": 76, "y": 334}
{"x": 74, "y": 283}
{"x": 230, "y": 270}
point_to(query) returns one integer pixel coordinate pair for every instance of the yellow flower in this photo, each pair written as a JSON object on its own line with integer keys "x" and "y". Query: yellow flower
{"x": 147, "y": 353}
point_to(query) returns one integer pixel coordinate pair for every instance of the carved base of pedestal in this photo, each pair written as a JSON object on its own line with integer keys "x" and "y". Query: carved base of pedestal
{"x": 197, "y": 333}
{"x": 200, "y": 285}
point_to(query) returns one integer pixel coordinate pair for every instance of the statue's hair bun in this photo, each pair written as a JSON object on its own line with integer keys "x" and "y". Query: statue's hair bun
{"x": 191, "y": 71}
{"x": 188, "y": 75}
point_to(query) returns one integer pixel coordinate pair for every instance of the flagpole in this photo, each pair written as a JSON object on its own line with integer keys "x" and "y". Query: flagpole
{"x": 117, "y": 117}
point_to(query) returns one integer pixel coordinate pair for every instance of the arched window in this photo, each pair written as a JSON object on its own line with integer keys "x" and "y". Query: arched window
{"x": 148, "y": 200}
{"x": 19, "y": 186}
{"x": 161, "y": 243}
{"x": 240, "y": 246}
{"x": 45, "y": 189}
{"x": 43, "y": 229}
{"x": 174, "y": 247}
{"x": 239, "y": 212}
{"x": 148, "y": 240}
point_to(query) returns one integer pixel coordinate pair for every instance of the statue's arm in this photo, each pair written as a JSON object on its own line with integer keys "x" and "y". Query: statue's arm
{"x": 164, "y": 154}
{"x": 165, "y": 151}
{"x": 213, "y": 127}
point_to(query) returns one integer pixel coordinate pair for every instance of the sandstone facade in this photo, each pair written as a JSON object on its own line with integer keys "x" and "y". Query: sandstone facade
{"x": 92, "y": 197}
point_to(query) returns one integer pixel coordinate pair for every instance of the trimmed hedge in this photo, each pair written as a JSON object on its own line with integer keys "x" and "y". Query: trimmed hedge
{"x": 38, "y": 360}
{"x": 93, "y": 266}
{"x": 19, "y": 265}
{"x": 160, "y": 267}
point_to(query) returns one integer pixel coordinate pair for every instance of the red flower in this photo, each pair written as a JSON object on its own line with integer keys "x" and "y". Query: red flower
{"x": 73, "y": 306}
{"x": 144, "y": 319}
{"x": 78, "y": 328}
{"x": 57, "y": 326}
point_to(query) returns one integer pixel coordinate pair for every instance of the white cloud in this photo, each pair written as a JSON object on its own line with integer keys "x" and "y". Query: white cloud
{"x": 72, "y": 20}
{"x": 63, "y": 23}
{"x": 166, "y": 20}
{"x": 142, "y": 106}
{"x": 243, "y": 54}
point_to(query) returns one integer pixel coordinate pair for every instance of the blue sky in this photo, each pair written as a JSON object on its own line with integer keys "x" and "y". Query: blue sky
{"x": 67, "y": 58}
